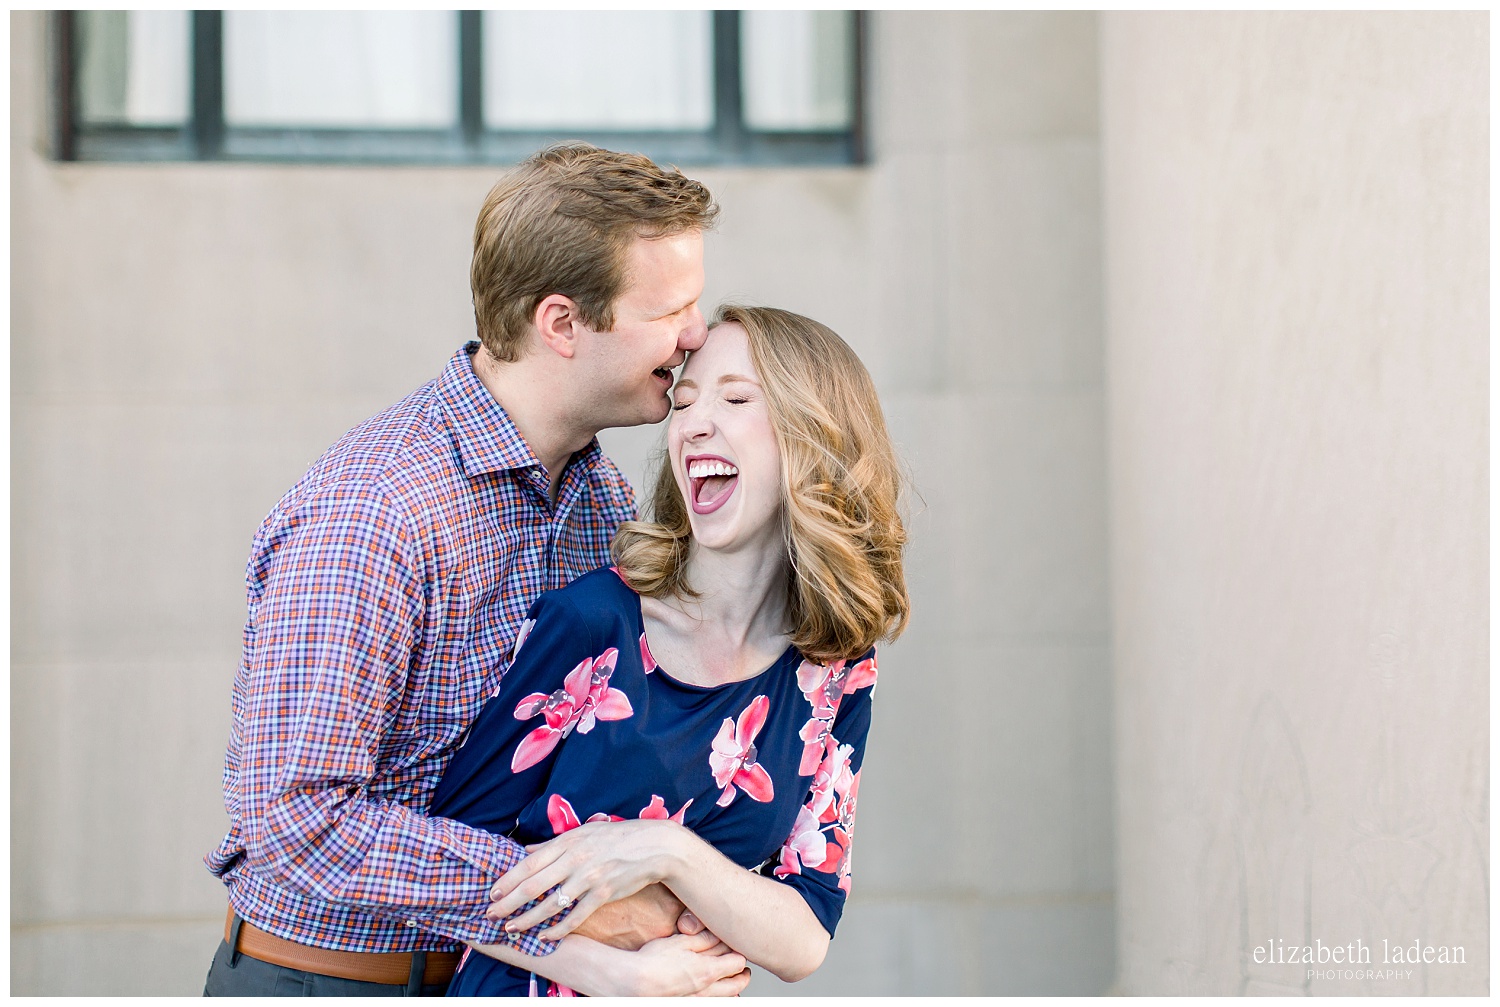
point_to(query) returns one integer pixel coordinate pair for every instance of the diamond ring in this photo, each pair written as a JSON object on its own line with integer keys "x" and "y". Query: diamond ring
{"x": 563, "y": 900}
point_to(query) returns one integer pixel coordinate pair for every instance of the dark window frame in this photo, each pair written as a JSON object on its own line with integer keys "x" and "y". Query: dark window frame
{"x": 205, "y": 137}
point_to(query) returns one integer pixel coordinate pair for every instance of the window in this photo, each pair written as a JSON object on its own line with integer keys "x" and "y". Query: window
{"x": 458, "y": 87}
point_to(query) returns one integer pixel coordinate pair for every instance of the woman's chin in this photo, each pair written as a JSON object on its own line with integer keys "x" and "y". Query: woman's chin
{"x": 729, "y": 535}
{"x": 714, "y": 539}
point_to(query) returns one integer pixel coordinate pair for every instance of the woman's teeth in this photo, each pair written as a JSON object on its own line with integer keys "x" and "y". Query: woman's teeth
{"x": 703, "y": 469}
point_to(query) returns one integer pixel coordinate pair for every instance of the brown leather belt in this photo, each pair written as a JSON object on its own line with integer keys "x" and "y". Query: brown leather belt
{"x": 392, "y": 967}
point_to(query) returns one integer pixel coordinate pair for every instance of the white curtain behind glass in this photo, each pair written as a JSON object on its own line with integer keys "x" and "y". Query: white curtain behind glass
{"x": 387, "y": 69}
{"x": 796, "y": 68}
{"x": 133, "y": 67}
{"x": 598, "y": 69}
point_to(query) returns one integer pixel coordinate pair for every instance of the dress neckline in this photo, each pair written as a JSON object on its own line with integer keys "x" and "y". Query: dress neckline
{"x": 640, "y": 625}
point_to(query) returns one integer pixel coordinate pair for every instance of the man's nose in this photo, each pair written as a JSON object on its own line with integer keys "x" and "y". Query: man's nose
{"x": 694, "y": 333}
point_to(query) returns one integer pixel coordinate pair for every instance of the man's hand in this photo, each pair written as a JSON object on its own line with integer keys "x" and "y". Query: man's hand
{"x": 630, "y": 922}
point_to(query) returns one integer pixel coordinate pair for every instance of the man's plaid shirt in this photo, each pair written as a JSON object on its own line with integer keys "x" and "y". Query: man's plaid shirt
{"x": 385, "y": 591}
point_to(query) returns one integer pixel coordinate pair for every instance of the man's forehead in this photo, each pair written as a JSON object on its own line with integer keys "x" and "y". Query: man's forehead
{"x": 665, "y": 275}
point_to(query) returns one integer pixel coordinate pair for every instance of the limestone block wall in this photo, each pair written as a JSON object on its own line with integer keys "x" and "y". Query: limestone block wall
{"x": 1297, "y": 307}
{"x": 187, "y": 338}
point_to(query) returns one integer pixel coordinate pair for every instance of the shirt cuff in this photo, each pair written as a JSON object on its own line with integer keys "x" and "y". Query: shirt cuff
{"x": 463, "y": 917}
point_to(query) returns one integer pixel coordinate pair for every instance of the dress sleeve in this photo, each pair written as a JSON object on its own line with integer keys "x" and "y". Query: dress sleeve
{"x": 557, "y": 683}
{"x": 815, "y": 859}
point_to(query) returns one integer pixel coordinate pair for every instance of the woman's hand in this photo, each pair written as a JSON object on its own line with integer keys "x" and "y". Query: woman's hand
{"x": 689, "y": 965}
{"x": 589, "y": 866}
{"x": 696, "y": 964}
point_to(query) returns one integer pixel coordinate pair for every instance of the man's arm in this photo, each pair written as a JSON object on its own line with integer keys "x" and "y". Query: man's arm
{"x": 628, "y": 923}
{"x": 324, "y": 695}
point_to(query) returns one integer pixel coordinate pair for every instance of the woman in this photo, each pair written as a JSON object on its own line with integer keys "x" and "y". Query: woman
{"x": 718, "y": 678}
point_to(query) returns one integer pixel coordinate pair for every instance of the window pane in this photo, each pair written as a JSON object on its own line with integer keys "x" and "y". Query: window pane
{"x": 797, "y": 69}
{"x": 598, "y": 69}
{"x": 341, "y": 68}
{"x": 133, "y": 67}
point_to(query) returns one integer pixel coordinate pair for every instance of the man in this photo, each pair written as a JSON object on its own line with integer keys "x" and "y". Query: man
{"x": 386, "y": 589}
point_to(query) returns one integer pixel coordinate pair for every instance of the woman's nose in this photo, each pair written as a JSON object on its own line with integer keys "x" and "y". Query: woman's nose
{"x": 697, "y": 424}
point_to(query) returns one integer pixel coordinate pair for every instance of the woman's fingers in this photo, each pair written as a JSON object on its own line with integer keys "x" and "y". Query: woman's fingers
{"x": 552, "y": 904}
{"x": 534, "y": 917}
{"x": 702, "y": 942}
{"x": 602, "y": 860}
{"x": 536, "y": 887}
{"x": 687, "y": 923}
{"x": 584, "y": 908}
{"x": 730, "y": 987}
{"x": 544, "y": 857}
{"x": 727, "y": 986}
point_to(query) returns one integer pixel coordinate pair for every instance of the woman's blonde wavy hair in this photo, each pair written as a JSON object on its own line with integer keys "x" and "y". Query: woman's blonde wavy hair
{"x": 841, "y": 493}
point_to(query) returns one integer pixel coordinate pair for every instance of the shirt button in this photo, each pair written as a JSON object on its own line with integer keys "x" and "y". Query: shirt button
{"x": 411, "y": 923}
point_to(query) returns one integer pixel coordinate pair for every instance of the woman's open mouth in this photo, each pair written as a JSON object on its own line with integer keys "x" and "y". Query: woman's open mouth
{"x": 711, "y": 480}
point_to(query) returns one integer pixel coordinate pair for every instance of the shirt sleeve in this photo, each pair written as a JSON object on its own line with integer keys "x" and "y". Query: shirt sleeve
{"x": 815, "y": 859}
{"x": 335, "y": 628}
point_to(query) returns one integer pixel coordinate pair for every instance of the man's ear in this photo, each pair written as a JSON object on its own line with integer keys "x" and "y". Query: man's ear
{"x": 556, "y": 319}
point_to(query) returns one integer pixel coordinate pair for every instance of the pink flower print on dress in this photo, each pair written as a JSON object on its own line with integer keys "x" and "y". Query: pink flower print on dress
{"x": 813, "y": 680}
{"x": 814, "y": 734}
{"x": 647, "y": 661}
{"x": 732, "y": 759}
{"x": 831, "y": 777}
{"x": 657, "y": 809}
{"x": 849, "y": 788}
{"x": 824, "y": 686}
{"x": 563, "y": 818}
{"x": 831, "y": 801}
{"x": 836, "y": 859}
{"x": 584, "y": 697}
{"x": 804, "y": 846}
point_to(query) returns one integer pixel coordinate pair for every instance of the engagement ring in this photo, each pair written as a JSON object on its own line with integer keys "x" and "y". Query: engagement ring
{"x": 563, "y": 900}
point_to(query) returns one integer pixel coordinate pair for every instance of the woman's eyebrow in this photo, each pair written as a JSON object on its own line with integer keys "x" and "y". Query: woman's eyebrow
{"x": 686, "y": 383}
{"x": 725, "y": 379}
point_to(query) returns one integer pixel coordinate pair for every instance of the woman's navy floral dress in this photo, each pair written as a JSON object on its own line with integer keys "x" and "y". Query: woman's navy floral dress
{"x": 586, "y": 727}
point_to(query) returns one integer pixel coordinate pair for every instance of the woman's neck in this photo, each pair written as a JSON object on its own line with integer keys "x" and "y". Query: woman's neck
{"x": 735, "y": 628}
{"x": 741, "y": 594}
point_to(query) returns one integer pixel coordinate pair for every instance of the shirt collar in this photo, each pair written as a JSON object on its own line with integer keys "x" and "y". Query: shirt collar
{"x": 487, "y": 439}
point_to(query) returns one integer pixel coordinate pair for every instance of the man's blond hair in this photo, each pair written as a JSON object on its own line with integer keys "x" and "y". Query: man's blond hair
{"x": 561, "y": 223}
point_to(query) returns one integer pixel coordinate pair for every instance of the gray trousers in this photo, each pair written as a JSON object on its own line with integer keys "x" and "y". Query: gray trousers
{"x": 236, "y": 974}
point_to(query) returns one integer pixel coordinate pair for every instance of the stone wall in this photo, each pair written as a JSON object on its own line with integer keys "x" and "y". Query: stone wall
{"x": 1297, "y": 305}
{"x": 187, "y": 338}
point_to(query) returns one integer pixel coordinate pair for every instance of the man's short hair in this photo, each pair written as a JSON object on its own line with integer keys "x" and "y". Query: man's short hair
{"x": 561, "y": 223}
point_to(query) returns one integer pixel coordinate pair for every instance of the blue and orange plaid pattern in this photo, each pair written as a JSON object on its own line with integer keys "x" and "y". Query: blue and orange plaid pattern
{"x": 385, "y": 591}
